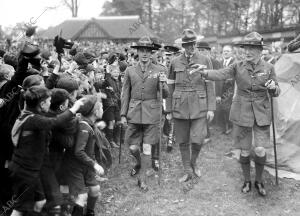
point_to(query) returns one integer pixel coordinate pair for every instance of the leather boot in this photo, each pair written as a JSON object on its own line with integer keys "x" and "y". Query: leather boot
{"x": 109, "y": 136}
{"x": 185, "y": 156}
{"x": 195, "y": 153}
{"x": 155, "y": 156}
{"x": 77, "y": 211}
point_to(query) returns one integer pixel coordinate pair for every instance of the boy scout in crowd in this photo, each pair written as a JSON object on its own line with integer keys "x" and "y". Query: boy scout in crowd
{"x": 191, "y": 105}
{"x": 111, "y": 86}
{"x": 140, "y": 107}
{"x": 81, "y": 166}
{"x": 251, "y": 109}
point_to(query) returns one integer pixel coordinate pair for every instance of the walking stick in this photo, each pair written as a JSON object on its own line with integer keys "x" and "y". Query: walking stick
{"x": 120, "y": 143}
{"x": 160, "y": 129}
{"x": 206, "y": 97}
{"x": 274, "y": 141}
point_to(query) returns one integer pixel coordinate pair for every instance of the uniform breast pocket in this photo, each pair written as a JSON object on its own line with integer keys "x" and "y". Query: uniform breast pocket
{"x": 176, "y": 100}
{"x": 262, "y": 78}
{"x": 202, "y": 101}
{"x": 132, "y": 106}
{"x": 180, "y": 75}
{"x": 235, "y": 111}
{"x": 155, "y": 105}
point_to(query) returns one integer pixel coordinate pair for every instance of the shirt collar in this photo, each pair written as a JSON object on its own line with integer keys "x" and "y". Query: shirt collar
{"x": 190, "y": 55}
{"x": 256, "y": 62}
{"x": 145, "y": 66}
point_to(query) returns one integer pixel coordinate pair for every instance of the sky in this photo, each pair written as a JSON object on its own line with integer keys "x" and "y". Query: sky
{"x": 13, "y": 11}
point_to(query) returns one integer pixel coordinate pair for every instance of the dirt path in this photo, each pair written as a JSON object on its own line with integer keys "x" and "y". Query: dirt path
{"x": 217, "y": 192}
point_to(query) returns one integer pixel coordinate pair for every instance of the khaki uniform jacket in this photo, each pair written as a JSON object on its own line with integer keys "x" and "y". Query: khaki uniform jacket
{"x": 140, "y": 94}
{"x": 251, "y": 101}
{"x": 190, "y": 96}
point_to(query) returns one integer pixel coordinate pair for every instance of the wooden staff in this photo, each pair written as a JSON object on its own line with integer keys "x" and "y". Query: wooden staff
{"x": 274, "y": 142}
{"x": 160, "y": 130}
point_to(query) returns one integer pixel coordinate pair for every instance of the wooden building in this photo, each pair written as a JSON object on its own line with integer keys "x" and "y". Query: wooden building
{"x": 115, "y": 28}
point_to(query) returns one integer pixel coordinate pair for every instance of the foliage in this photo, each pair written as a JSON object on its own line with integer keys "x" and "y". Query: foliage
{"x": 72, "y": 5}
{"x": 210, "y": 17}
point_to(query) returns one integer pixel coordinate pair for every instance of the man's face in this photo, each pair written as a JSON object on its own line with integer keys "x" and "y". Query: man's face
{"x": 252, "y": 53}
{"x": 189, "y": 48}
{"x": 265, "y": 53}
{"x": 227, "y": 52}
{"x": 168, "y": 58}
{"x": 204, "y": 51}
{"x": 144, "y": 54}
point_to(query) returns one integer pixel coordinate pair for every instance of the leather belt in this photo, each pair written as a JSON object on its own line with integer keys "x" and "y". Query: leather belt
{"x": 252, "y": 94}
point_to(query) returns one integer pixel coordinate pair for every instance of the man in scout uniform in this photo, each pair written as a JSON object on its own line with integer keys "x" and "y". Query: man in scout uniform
{"x": 191, "y": 104}
{"x": 141, "y": 106}
{"x": 251, "y": 109}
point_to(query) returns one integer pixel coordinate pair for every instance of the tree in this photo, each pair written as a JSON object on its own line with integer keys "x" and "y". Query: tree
{"x": 73, "y": 6}
{"x": 124, "y": 7}
{"x": 167, "y": 18}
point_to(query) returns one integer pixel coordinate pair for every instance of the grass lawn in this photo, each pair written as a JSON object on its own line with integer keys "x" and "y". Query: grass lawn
{"x": 216, "y": 193}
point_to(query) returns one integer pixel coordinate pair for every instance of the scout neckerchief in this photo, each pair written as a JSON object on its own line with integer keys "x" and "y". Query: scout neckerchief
{"x": 96, "y": 134}
{"x": 18, "y": 126}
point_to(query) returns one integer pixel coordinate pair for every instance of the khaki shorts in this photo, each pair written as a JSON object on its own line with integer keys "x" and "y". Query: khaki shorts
{"x": 190, "y": 130}
{"x": 242, "y": 136}
{"x": 136, "y": 134}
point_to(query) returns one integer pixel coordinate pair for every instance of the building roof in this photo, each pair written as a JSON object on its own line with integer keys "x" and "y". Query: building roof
{"x": 268, "y": 35}
{"x": 110, "y": 27}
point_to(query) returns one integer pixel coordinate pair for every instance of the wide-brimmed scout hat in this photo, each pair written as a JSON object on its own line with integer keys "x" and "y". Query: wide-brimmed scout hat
{"x": 145, "y": 42}
{"x": 188, "y": 36}
{"x": 252, "y": 39}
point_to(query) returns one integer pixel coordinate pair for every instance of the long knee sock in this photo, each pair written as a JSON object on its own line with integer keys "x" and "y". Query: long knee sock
{"x": 259, "y": 167}
{"x": 55, "y": 211}
{"x": 91, "y": 203}
{"x": 109, "y": 134}
{"x": 185, "y": 156}
{"x": 77, "y": 210}
{"x": 195, "y": 153}
{"x": 155, "y": 151}
{"x": 137, "y": 155}
{"x": 146, "y": 165}
{"x": 245, "y": 164}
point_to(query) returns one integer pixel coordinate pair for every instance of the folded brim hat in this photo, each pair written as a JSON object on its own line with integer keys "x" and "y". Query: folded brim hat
{"x": 80, "y": 59}
{"x": 144, "y": 46}
{"x": 250, "y": 43}
{"x": 68, "y": 84}
{"x": 32, "y": 80}
{"x": 45, "y": 54}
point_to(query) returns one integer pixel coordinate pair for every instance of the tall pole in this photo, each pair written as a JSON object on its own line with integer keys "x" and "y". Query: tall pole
{"x": 160, "y": 133}
{"x": 274, "y": 141}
